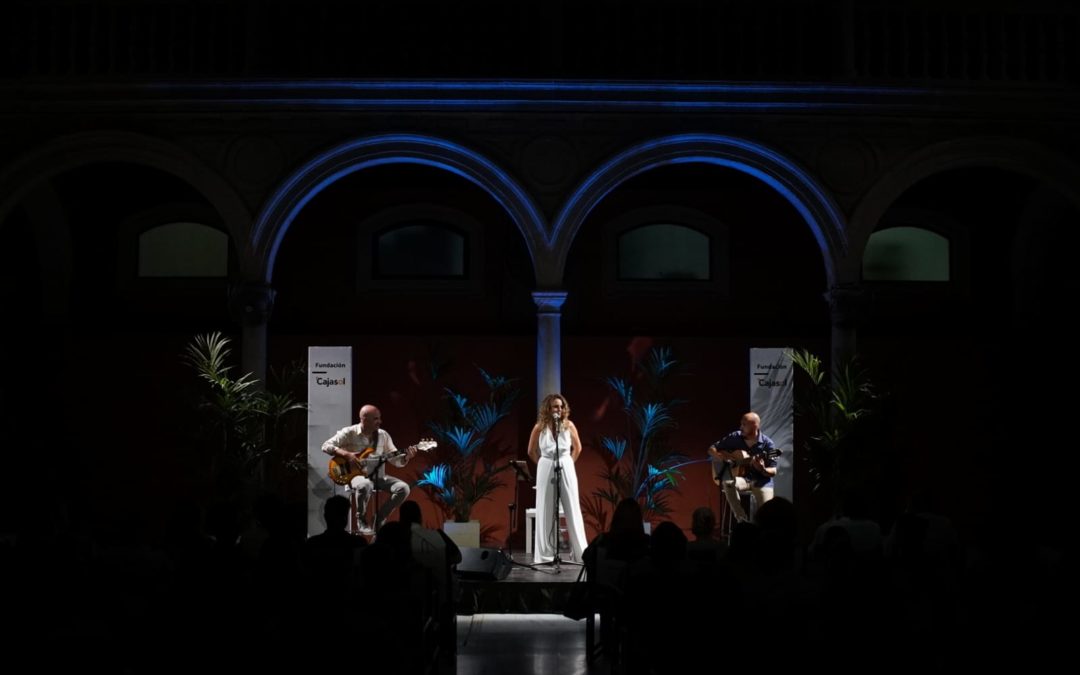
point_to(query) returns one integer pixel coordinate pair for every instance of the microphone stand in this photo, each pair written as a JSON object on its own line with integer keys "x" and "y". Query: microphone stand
{"x": 557, "y": 561}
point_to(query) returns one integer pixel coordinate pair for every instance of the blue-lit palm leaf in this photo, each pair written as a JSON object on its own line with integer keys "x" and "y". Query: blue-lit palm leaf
{"x": 495, "y": 382}
{"x": 439, "y": 478}
{"x": 660, "y": 479}
{"x": 461, "y": 402}
{"x": 651, "y": 418}
{"x": 484, "y": 416}
{"x": 616, "y": 446}
{"x": 624, "y": 389}
{"x": 465, "y": 440}
{"x": 660, "y": 361}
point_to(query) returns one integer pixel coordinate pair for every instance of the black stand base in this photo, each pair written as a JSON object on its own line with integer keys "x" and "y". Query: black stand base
{"x": 559, "y": 562}
{"x": 556, "y": 565}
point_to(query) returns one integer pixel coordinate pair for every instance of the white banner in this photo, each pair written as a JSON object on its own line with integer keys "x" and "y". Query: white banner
{"x": 772, "y": 392}
{"x": 329, "y": 409}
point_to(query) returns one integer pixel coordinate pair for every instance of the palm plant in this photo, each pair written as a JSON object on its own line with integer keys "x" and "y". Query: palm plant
{"x": 840, "y": 408}
{"x": 640, "y": 463}
{"x": 246, "y": 420}
{"x": 465, "y": 476}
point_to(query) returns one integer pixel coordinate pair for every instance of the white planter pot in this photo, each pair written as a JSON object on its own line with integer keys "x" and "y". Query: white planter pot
{"x": 463, "y": 534}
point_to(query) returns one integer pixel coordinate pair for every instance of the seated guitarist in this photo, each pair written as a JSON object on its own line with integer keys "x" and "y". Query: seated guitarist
{"x": 367, "y": 440}
{"x": 748, "y": 464}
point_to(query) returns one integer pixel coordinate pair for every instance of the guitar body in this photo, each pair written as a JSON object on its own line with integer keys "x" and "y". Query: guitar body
{"x": 735, "y": 463}
{"x": 342, "y": 470}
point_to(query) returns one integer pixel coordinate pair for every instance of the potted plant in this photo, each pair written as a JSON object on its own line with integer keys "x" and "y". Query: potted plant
{"x": 247, "y": 423}
{"x": 841, "y": 448}
{"x": 640, "y": 463}
{"x": 464, "y": 474}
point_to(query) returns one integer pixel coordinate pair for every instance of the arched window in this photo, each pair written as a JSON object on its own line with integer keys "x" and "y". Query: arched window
{"x": 662, "y": 252}
{"x": 421, "y": 250}
{"x": 183, "y": 250}
{"x": 906, "y": 254}
{"x": 419, "y": 247}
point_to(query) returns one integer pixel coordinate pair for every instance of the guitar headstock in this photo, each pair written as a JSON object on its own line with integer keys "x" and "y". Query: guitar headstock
{"x": 426, "y": 444}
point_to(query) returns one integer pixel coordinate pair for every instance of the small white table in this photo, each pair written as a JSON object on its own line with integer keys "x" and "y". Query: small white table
{"x": 530, "y": 525}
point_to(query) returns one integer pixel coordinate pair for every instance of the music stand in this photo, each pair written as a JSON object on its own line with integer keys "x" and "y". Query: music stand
{"x": 522, "y": 473}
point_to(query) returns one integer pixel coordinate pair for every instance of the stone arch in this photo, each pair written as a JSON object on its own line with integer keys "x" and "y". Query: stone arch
{"x": 793, "y": 182}
{"x": 1021, "y": 156}
{"x": 322, "y": 170}
{"x": 70, "y": 152}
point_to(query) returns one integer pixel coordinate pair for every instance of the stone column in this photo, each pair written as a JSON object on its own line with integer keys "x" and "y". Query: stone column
{"x": 846, "y": 304}
{"x": 548, "y": 342}
{"x": 250, "y": 304}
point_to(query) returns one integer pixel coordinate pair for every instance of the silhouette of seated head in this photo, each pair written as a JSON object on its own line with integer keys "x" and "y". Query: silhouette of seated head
{"x": 336, "y": 512}
{"x": 409, "y": 513}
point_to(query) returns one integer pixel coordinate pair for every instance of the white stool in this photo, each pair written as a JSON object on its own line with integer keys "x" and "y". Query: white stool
{"x": 355, "y": 525}
{"x": 727, "y": 520}
{"x": 530, "y": 525}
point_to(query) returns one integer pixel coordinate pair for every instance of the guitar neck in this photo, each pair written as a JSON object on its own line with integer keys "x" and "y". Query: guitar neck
{"x": 738, "y": 460}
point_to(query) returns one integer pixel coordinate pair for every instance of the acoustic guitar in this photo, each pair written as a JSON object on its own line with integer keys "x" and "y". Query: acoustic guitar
{"x": 343, "y": 469}
{"x": 737, "y": 461}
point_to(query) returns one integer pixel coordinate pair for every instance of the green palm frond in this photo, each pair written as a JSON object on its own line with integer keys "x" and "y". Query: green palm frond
{"x": 248, "y": 421}
{"x": 837, "y": 408}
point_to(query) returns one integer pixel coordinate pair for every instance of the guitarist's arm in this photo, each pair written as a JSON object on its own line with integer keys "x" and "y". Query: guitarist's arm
{"x": 765, "y": 461}
{"x": 400, "y": 459}
{"x": 337, "y": 443}
{"x": 759, "y": 464}
{"x": 723, "y": 454}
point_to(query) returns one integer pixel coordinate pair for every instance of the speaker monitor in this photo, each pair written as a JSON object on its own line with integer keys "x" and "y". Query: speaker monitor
{"x": 483, "y": 564}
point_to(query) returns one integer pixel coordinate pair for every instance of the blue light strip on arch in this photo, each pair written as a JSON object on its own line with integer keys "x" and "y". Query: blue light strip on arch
{"x": 800, "y": 189}
{"x": 326, "y": 168}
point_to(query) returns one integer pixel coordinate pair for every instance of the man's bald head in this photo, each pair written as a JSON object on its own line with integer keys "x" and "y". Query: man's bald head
{"x": 370, "y": 418}
{"x": 750, "y": 425}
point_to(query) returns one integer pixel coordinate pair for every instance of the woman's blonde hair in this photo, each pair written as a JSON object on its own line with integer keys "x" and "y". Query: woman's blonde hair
{"x": 544, "y": 416}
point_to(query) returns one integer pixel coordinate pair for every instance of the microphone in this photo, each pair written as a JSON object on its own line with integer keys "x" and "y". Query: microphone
{"x": 557, "y": 416}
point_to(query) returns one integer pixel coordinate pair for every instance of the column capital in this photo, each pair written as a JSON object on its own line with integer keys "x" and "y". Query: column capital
{"x": 549, "y": 302}
{"x": 250, "y": 302}
{"x": 846, "y": 303}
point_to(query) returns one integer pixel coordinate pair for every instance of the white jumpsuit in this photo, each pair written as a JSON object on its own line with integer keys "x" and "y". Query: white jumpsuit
{"x": 546, "y": 534}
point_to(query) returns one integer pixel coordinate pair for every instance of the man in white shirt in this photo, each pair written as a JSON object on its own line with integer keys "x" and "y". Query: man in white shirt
{"x": 371, "y": 447}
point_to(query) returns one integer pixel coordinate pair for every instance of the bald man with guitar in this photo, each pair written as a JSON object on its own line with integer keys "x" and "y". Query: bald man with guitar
{"x": 360, "y": 453}
{"x": 745, "y": 461}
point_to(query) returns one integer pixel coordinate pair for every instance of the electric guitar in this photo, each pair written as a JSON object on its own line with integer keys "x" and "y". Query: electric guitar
{"x": 737, "y": 461}
{"x": 344, "y": 469}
